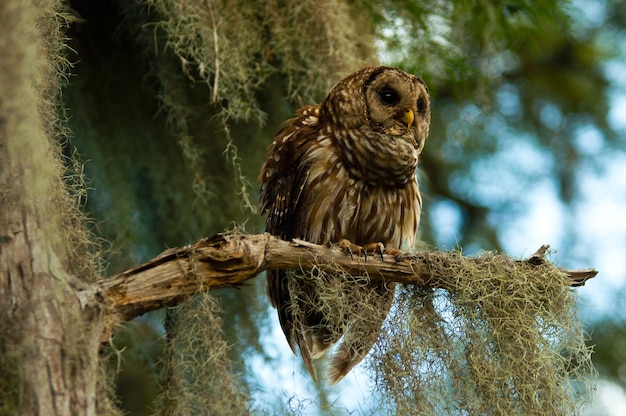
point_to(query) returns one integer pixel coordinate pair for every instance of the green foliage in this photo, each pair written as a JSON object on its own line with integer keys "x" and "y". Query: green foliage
{"x": 609, "y": 339}
{"x": 135, "y": 357}
{"x": 235, "y": 46}
{"x": 501, "y": 75}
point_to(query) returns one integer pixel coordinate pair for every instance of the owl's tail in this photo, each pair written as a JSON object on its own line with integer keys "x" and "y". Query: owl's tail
{"x": 349, "y": 354}
{"x": 361, "y": 336}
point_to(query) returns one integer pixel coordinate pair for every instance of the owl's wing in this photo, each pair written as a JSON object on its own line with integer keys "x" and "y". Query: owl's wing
{"x": 283, "y": 178}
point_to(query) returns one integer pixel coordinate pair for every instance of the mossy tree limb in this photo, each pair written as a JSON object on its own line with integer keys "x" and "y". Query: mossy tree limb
{"x": 228, "y": 260}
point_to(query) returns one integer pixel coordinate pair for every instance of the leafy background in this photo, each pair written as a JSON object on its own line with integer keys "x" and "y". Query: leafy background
{"x": 171, "y": 105}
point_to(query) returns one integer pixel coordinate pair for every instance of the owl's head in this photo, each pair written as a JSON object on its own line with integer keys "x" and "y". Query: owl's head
{"x": 380, "y": 118}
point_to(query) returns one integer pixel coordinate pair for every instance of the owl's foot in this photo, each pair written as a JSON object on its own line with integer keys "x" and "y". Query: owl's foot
{"x": 361, "y": 251}
{"x": 394, "y": 252}
{"x": 351, "y": 249}
{"x": 379, "y": 248}
{"x": 376, "y": 248}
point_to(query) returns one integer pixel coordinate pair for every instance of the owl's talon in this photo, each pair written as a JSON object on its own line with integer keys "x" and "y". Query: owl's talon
{"x": 376, "y": 248}
{"x": 394, "y": 252}
{"x": 363, "y": 251}
{"x": 348, "y": 247}
{"x": 380, "y": 249}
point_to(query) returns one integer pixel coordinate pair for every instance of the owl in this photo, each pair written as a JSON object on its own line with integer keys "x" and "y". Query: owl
{"x": 344, "y": 171}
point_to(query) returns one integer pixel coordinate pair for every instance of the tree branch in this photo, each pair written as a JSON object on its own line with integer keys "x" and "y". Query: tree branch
{"x": 228, "y": 260}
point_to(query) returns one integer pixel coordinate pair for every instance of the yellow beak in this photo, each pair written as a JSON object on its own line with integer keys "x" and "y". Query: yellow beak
{"x": 407, "y": 117}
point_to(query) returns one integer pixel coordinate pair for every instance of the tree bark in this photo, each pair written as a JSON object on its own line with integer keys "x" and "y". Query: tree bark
{"x": 48, "y": 341}
{"x": 228, "y": 260}
{"x": 57, "y": 363}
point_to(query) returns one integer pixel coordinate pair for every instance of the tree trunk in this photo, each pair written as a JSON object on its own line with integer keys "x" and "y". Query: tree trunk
{"x": 48, "y": 353}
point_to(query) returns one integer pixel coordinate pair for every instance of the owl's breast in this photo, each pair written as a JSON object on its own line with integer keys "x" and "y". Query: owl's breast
{"x": 339, "y": 205}
{"x": 378, "y": 159}
{"x": 389, "y": 216}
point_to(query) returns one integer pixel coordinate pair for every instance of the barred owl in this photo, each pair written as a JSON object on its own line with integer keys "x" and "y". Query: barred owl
{"x": 345, "y": 170}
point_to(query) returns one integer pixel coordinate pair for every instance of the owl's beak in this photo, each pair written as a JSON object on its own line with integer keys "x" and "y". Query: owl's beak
{"x": 407, "y": 117}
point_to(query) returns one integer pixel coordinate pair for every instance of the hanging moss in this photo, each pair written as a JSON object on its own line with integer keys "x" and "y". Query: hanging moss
{"x": 199, "y": 378}
{"x": 504, "y": 341}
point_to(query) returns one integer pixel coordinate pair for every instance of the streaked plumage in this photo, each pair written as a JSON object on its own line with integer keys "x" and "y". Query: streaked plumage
{"x": 345, "y": 169}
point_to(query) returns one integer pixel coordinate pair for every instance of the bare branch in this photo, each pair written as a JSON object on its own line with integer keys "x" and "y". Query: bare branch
{"x": 228, "y": 260}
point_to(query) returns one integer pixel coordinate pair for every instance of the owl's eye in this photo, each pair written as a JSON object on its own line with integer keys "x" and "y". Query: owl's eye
{"x": 389, "y": 96}
{"x": 421, "y": 105}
